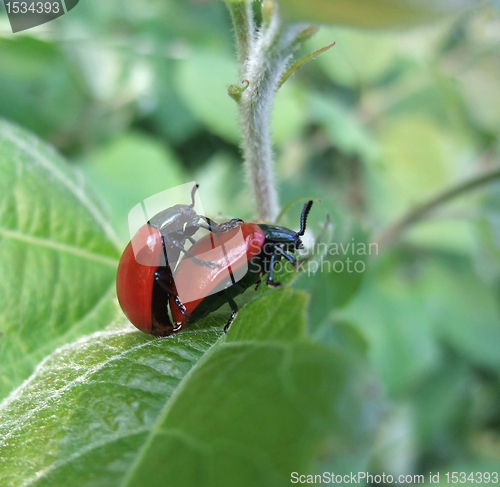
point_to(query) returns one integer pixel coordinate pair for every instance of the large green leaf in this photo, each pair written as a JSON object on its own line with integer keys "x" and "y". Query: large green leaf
{"x": 123, "y": 408}
{"x": 117, "y": 407}
{"x": 89, "y": 407}
{"x": 57, "y": 256}
{"x": 254, "y": 413}
{"x": 371, "y": 13}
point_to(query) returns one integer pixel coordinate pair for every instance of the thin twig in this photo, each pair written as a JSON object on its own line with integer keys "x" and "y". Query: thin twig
{"x": 394, "y": 231}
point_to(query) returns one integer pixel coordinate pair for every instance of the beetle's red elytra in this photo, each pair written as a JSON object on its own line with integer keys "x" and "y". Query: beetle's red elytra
{"x": 228, "y": 252}
{"x": 134, "y": 281}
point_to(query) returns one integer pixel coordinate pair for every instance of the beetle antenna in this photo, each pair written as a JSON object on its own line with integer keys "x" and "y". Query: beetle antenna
{"x": 303, "y": 217}
{"x": 193, "y": 191}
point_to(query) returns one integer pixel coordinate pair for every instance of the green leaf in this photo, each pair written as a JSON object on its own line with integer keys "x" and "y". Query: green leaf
{"x": 123, "y": 408}
{"x": 299, "y": 63}
{"x": 58, "y": 256}
{"x": 269, "y": 322}
{"x": 288, "y": 119}
{"x": 480, "y": 90}
{"x": 410, "y": 171}
{"x": 370, "y": 13}
{"x": 441, "y": 400}
{"x": 334, "y": 277}
{"x": 465, "y": 311}
{"x": 90, "y": 406}
{"x": 360, "y": 58}
{"x": 255, "y": 413}
{"x": 343, "y": 128}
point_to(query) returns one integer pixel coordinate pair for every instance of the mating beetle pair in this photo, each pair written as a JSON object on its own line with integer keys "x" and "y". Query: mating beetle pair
{"x": 145, "y": 279}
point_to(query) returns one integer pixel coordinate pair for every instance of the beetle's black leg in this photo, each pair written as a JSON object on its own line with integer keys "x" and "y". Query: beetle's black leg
{"x": 211, "y": 225}
{"x": 229, "y": 225}
{"x": 277, "y": 253}
{"x": 270, "y": 278}
{"x": 220, "y": 228}
{"x": 257, "y": 284}
{"x": 164, "y": 284}
{"x": 234, "y": 307}
{"x": 172, "y": 256}
{"x": 164, "y": 247}
{"x": 287, "y": 256}
{"x": 174, "y": 243}
{"x": 206, "y": 263}
{"x": 181, "y": 307}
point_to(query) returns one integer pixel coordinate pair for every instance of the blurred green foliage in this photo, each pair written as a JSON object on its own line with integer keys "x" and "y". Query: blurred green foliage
{"x": 134, "y": 94}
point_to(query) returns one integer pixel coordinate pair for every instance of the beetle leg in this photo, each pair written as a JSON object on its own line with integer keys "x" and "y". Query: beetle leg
{"x": 234, "y": 307}
{"x": 164, "y": 247}
{"x": 163, "y": 283}
{"x": 287, "y": 256}
{"x": 220, "y": 228}
{"x": 174, "y": 243}
{"x": 224, "y": 227}
{"x": 181, "y": 307}
{"x": 277, "y": 254}
{"x": 211, "y": 225}
{"x": 270, "y": 278}
{"x": 207, "y": 263}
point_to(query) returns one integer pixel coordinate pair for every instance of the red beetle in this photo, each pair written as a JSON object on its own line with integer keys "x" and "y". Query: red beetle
{"x": 144, "y": 277}
{"x": 203, "y": 290}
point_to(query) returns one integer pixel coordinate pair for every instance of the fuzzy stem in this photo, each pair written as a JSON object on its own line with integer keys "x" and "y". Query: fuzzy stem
{"x": 263, "y": 67}
{"x": 394, "y": 231}
{"x": 244, "y": 28}
{"x": 255, "y": 113}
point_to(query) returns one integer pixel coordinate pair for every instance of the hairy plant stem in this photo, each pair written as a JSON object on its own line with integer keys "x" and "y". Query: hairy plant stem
{"x": 244, "y": 28}
{"x": 394, "y": 231}
{"x": 263, "y": 56}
